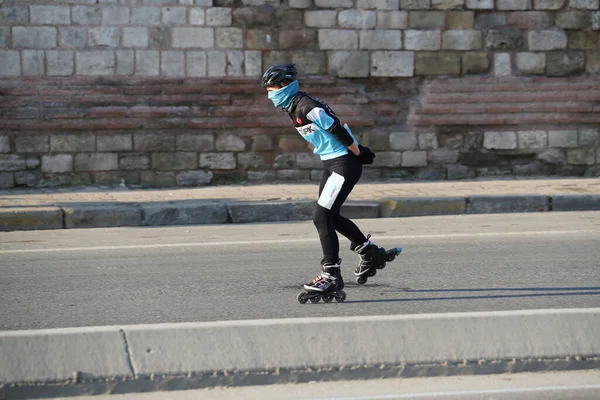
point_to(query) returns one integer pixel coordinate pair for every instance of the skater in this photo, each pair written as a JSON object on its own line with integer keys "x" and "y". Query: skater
{"x": 343, "y": 159}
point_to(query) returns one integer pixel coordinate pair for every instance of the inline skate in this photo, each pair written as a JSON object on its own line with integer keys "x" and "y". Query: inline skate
{"x": 372, "y": 258}
{"x": 328, "y": 285}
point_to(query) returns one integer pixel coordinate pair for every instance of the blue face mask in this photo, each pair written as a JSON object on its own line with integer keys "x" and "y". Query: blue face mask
{"x": 282, "y": 98}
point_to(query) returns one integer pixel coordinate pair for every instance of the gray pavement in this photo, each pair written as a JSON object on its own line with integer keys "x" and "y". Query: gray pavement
{"x": 90, "y": 207}
{"x": 112, "y": 276}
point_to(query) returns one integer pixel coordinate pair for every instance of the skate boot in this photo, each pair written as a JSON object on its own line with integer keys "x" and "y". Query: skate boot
{"x": 372, "y": 258}
{"x": 327, "y": 286}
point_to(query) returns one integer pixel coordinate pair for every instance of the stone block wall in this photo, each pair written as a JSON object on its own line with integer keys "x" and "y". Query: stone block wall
{"x": 165, "y": 92}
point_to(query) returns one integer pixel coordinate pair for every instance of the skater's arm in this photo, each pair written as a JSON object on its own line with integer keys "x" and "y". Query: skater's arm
{"x": 331, "y": 125}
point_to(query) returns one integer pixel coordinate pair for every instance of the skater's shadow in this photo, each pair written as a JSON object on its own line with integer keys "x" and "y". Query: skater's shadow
{"x": 520, "y": 293}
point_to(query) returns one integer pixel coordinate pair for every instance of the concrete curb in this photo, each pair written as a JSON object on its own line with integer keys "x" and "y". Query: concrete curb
{"x": 112, "y": 357}
{"x": 189, "y": 212}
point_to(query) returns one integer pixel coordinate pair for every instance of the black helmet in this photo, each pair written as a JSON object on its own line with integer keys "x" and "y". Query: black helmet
{"x": 278, "y": 73}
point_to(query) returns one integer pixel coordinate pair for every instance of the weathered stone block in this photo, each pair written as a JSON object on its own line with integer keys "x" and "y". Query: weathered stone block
{"x": 447, "y": 4}
{"x": 531, "y": 63}
{"x": 513, "y": 4}
{"x": 577, "y": 202}
{"x": 437, "y": 63}
{"x": 403, "y": 141}
{"x": 547, "y": 40}
{"x": 428, "y": 141}
{"x": 174, "y": 161}
{"x": 507, "y": 38}
{"x": 83, "y": 15}
{"x": 96, "y": 162}
{"x": 500, "y": 140}
{"x": 28, "y": 218}
{"x": 248, "y": 212}
{"x": 97, "y": 62}
{"x": 592, "y": 65}
{"x": 415, "y": 4}
{"x": 490, "y": 20}
{"x": 252, "y": 63}
{"x": 348, "y": 64}
{"x": 217, "y": 160}
{"x": 320, "y": 19}
{"x": 532, "y": 140}
{"x": 235, "y": 63}
{"x": 146, "y": 15}
{"x": 49, "y": 15}
{"x": 229, "y": 38}
{"x": 26, "y": 178}
{"x": 464, "y": 39}
{"x": 104, "y": 36}
{"x": 10, "y": 65}
{"x": 32, "y": 144}
{"x": 194, "y": 178}
{"x": 581, "y": 156}
{"x": 293, "y": 175}
{"x": 392, "y": 19}
{"x": 573, "y": 20}
{"x": 414, "y": 159}
{"x": 313, "y": 62}
{"x": 35, "y": 37}
{"x": 4, "y": 37}
{"x": 14, "y": 14}
{"x": 426, "y": 19}
{"x": 461, "y": 20}
{"x": 218, "y": 16}
{"x": 596, "y": 20}
{"x": 158, "y": 179}
{"x": 390, "y": 159}
{"x": 357, "y": 19}
{"x": 297, "y": 38}
{"x": 114, "y": 143}
{"x": 334, "y": 3}
{"x": 193, "y": 37}
{"x": 197, "y": 16}
{"x": 7, "y": 181}
{"x": 480, "y": 4}
{"x": 530, "y": 19}
{"x": 134, "y": 162}
{"x": 113, "y": 15}
{"x": 59, "y": 63}
{"x": 125, "y": 62}
{"x": 72, "y": 143}
{"x": 560, "y": 63}
{"x": 443, "y": 156}
{"x": 420, "y": 206}
{"x": 582, "y": 39}
{"x": 422, "y": 39}
{"x": 217, "y": 63}
{"x": 172, "y": 63}
{"x": 33, "y": 62}
{"x": 584, "y": 4}
{"x": 229, "y": 142}
{"x": 135, "y": 37}
{"x": 72, "y": 37}
{"x": 4, "y": 144}
{"x": 475, "y": 63}
{"x": 589, "y": 137}
{"x": 260, "y": 39}
{"x": 174, "y": 15}
{"x": 502, "y": 64}
{"x": 300, "y": 3}
{"x": 380, "y": 39}
{"x": 147, "y": 62}
{"x": 562, "y": 138}
{"x": 196, "y": 63}
{"x": 392, "y": 63}
{"x": 153, "y": 142}
{"x": 159, "y": 37}
{"x": 57, "y": 163}
{"x": 12, "y": 162}
{"x": 378, "y": 4}
{"x": 549, "y": 4}
{"x": 335, "y": 39}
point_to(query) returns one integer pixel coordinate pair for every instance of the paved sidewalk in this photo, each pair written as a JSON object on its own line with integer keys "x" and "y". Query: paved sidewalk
{"x": 122, "y": 206}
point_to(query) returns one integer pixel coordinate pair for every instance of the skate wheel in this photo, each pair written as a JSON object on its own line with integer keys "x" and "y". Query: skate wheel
{"x": 341, "y": 297}
{"x": 361, "y": 280}
{"x": 328, "y": 298}
{"x": 373, "y": 272}
{"x": 301, "y": 298}
{"x": 315, "y": 300}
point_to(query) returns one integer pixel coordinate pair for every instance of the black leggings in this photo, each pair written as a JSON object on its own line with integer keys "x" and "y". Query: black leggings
{"x": 329, "y": 221}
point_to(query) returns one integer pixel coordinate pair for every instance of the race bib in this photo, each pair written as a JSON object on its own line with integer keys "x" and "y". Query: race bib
{"x": 331, "y": 190}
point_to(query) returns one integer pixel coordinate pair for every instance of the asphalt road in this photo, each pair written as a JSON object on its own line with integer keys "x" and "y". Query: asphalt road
{"x": 90, "y": 277}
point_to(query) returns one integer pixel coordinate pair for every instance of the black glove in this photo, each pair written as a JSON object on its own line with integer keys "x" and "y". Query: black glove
{"x": 366, "y": 156}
